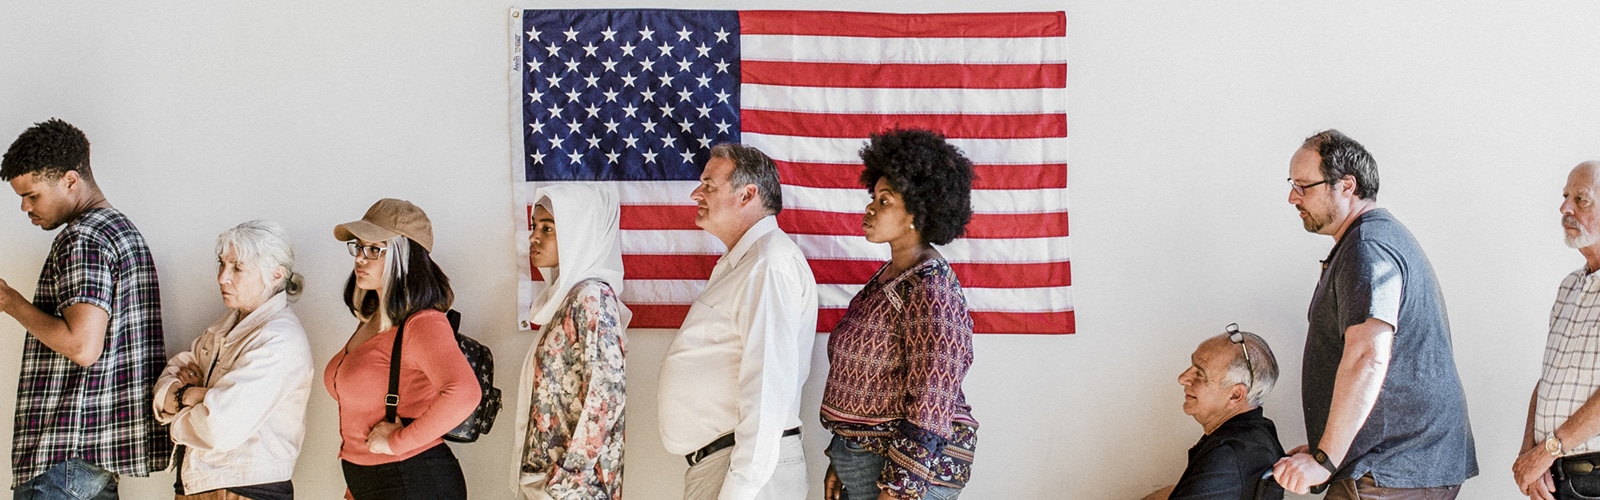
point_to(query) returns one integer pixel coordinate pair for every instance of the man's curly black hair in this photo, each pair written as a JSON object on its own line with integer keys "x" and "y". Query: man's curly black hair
{"x": 48, "y": 150}
{"x": 933, "y": 177}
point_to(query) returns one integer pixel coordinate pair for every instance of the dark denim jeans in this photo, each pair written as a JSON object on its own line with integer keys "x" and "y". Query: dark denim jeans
{"x": 858, "y": 470}
{"x": 73, "y": 479}
{"x": 431, "y": 475}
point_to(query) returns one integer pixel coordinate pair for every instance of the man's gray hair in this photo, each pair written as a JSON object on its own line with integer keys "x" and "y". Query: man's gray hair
{"x": 265, "y": 245}
{"x": 751, "y": 166}
{"x": 1261, "y": 359}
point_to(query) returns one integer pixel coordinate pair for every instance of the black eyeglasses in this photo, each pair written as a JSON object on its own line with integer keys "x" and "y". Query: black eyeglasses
{"x": 370, "y": 252}
{"x": 1237, "y": 337}
{"x": 1300, "y": 190}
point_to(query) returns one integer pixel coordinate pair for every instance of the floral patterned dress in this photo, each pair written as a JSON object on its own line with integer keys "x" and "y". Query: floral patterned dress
{"x": 575, "y": 423}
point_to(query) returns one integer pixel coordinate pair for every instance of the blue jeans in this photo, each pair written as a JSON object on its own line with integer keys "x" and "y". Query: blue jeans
{"x": 858, "y": 470}
{"x": 73, "y": 479}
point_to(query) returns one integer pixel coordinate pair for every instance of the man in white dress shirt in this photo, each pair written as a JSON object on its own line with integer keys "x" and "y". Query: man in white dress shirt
{"x": 1559, "y": 445}
{"x": 730, "y": 386}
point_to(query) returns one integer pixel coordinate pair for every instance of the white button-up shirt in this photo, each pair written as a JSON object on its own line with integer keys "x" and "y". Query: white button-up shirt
{"x": 742, "y": 355}
{"x": 1571, "y": 359}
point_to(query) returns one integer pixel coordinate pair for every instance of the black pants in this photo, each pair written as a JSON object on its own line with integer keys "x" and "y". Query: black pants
{"x": 431, "y": 475}
{"x": 1576, "y": 477}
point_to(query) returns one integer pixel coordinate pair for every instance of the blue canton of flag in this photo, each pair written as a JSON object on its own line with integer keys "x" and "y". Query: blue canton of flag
{"x": 628, "y": 95}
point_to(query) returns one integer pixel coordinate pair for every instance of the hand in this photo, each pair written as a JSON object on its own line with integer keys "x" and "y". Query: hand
{"x": 195, "y": 395}
{"x": 1532, "y": 473}
{"x": 1298, "y": 472}
{"x": 1543, "y": 489}
{"x": 885, "y": 495}
{"x": 1300, "y": 449}
{"x": 832, "y": 489}
{"x": 378, "y": 437}
{"x": 189, "y": 375}
{"x": 8, "y": 296}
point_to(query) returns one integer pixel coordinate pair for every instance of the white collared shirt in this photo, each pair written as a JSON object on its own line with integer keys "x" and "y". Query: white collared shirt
{"x": 1571, "y": 359}
{"x": 741, "y": 356}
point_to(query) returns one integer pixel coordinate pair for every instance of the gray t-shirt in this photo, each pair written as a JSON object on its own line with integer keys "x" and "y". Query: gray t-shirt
{"x": 1417, "y": 435}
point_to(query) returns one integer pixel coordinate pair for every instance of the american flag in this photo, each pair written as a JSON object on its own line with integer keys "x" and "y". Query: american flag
{"x": 636, "y": 98}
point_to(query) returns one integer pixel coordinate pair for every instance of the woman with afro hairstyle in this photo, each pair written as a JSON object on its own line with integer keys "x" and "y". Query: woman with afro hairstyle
{"x": 901, "y": 427}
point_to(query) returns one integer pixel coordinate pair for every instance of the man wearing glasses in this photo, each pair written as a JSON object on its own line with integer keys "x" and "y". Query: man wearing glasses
{"x": 1385, "y": 413}
{"x": 1228, "y": 377}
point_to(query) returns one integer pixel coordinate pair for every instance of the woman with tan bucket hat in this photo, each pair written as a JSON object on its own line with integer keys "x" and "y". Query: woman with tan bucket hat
{"x": 396, "y": 289}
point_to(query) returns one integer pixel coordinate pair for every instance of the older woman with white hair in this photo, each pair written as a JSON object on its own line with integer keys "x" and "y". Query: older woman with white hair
{"x": 236, "y": 399}
{"x": 570, "y": 410}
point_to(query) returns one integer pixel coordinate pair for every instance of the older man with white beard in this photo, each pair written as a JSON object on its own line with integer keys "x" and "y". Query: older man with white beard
{"x": 1560, "y": 448}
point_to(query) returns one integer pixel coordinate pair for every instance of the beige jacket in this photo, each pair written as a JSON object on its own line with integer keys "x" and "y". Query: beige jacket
{"x": 249, "y": 427}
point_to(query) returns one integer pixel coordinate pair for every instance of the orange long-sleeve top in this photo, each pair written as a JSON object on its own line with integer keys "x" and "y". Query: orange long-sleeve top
{"x": 437, "y": 388}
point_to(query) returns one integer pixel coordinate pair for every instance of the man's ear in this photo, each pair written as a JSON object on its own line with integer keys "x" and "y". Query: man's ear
{"x": 1351, "y": 189}
{"x": 748, "y": 193}
{"x": 1240, "y": 393}
{"x": 70, "y": 179}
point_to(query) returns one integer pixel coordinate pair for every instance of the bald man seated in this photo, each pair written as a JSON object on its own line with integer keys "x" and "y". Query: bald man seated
{"x": 1228, "y": 378}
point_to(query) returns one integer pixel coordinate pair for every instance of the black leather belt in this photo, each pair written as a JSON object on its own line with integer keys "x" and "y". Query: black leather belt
{"x": 724, "y": 442}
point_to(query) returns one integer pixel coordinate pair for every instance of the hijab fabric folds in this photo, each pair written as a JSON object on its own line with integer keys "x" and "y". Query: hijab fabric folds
{"x": 587, "y": 242}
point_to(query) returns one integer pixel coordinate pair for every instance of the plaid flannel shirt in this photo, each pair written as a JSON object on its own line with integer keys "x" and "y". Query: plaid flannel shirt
{"x": 1571, "y": 358}
{"x": 100, "y": 413}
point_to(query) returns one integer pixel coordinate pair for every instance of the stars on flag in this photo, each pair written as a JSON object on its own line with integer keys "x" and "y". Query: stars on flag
{"x": 590, "y": 82}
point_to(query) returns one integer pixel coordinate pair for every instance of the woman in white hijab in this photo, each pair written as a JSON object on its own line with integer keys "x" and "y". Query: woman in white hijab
{"x": 572, "y": 398}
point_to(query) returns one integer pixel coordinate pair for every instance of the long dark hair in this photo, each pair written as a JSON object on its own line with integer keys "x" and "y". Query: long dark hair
{"x": 413, "y": 283}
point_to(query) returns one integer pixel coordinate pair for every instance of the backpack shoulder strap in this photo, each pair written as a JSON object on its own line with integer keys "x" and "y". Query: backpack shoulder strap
{"x": 391, "y": 401}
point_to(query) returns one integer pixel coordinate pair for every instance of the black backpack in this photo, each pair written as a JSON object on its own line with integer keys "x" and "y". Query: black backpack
{"x": 482, "y": 362}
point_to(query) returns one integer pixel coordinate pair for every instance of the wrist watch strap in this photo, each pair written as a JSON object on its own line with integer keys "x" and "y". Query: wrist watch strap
{"x": 1554, "y": 447}
{"x": 1322, "y": 458}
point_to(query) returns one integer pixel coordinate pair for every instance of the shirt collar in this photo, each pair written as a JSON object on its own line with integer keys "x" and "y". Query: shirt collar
{"x": 1243, "y": 419}
{"x": 1587, "y": 278}
{"x": 233, "y": 323}
{"x": 1350, "y": 229}
{"x": 761, "y": 228}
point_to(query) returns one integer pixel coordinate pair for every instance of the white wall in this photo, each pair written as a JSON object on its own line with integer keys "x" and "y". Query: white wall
{"x": 1184, "y": 115}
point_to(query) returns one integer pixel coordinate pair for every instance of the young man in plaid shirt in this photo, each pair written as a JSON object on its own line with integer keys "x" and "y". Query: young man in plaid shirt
{"x": 94, "y": 344}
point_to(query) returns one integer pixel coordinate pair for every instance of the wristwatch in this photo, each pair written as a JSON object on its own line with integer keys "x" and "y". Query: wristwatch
{"x": 1552, "y": 445}
{"x": 1322, "y": 458}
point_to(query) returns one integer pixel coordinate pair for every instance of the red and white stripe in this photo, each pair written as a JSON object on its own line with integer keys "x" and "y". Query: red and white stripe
{"x": 815, "y": 85}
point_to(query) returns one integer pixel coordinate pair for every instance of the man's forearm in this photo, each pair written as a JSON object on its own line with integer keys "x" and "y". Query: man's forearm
{"x": 80, "y": 335}
{"x": 1357, "y": 385}
{"x": 1582, "y": 425}
{"x": 1527, "y": 430}
{"x": 39, "y": 323}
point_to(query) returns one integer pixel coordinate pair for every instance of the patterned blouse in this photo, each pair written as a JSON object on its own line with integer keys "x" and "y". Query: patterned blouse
{"x": 575, "y": 419}
{"x": 894, "y": 387}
